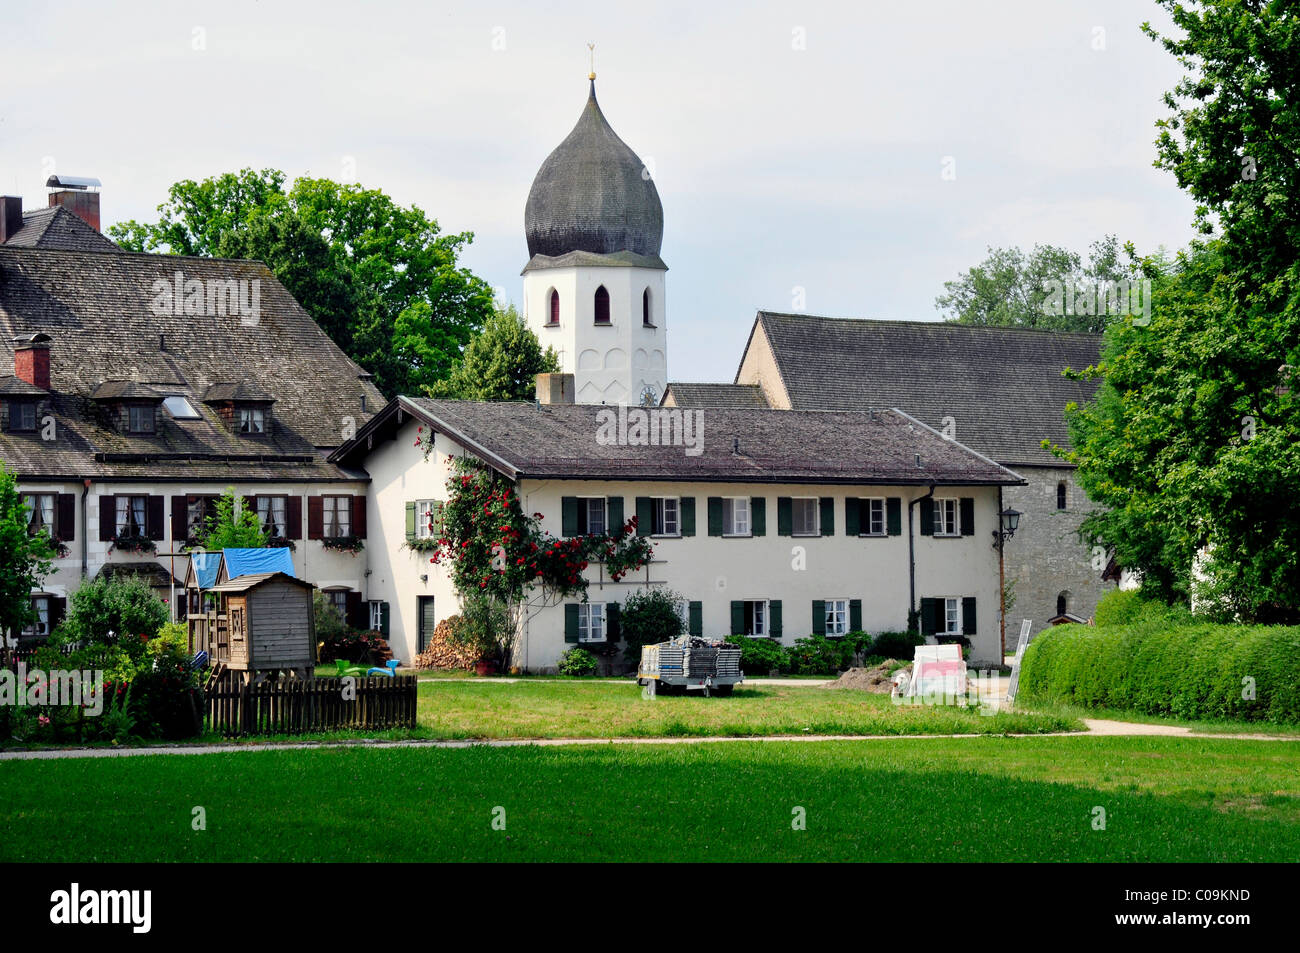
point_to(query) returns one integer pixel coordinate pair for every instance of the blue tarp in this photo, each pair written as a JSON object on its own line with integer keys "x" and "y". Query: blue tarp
{"x": 205, "y": 568}
{"x": 246, "y": 562}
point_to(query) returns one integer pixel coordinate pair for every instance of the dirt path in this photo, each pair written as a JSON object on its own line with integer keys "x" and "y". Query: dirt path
{"x": 1096, "y": 728}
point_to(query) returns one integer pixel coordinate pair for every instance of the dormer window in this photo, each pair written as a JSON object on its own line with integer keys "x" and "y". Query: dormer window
{"x": 22, "y": 416}
{"x": 252, "y": 420}
{"x": 140, "y": 418}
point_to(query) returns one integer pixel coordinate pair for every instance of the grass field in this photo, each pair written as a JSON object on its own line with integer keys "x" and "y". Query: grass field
{"x": 906, "y": 799}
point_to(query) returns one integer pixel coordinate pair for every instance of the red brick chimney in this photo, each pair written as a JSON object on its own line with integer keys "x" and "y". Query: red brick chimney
{"x": 78, "y": 195}
{"x": 32, "y": 360}
{"x": 11, "y": 216}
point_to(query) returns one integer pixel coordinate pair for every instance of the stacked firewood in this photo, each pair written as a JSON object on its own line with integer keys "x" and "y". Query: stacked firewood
{"x": 442, "y": 652}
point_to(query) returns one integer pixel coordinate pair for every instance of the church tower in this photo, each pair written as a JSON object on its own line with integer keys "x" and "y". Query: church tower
{"x": 594, "y": 283}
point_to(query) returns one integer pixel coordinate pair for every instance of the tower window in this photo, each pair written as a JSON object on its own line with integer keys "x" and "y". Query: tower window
{"x": 555, "y": 307}
{"x": 602, "y": 305}
{"x": 1060, "y": 496}
{"x": 645, "y": 309}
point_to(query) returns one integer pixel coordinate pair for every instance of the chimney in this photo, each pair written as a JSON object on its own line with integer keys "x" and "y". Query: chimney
{"x": 11, "y": 216}
{"x": 78, "y": 195}
{"x": 32, "y": 360}
{"x": 554, "y": 388}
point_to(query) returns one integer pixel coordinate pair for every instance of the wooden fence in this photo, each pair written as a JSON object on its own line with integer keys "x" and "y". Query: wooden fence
{"x": 295, "y": 706}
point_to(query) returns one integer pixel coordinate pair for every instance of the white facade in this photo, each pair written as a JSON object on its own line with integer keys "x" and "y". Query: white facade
{"x": 615, "y": 363}
{"x": 711, "y": 570}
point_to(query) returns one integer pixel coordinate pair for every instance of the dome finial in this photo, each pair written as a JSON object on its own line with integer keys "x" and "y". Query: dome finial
{"x": 591, "y": 48}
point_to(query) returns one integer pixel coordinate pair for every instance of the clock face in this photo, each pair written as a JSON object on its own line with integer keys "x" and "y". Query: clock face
{"x": 648, "y": 397}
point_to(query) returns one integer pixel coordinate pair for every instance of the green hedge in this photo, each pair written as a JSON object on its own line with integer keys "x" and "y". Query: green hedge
{"x": 1187, "y": 671}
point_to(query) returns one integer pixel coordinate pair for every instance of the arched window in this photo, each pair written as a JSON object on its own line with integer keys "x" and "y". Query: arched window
{"x": 1062, "y": 604}
{"x": 555, "y": 307}
{"x": 602, "y": 305}
{"x": 1060, "y": 496}
{"x": 646, "y": 318}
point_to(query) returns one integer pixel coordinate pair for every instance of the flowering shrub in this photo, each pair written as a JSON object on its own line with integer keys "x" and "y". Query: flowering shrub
{"x": 359, "y": 647}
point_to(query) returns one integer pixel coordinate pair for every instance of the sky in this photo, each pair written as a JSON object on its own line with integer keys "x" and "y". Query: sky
{"x": 838, "y": 158}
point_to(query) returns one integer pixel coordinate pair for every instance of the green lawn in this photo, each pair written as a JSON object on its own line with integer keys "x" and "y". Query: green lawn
{"x": 905, "y": 799}
{"x": 556, "y": 708}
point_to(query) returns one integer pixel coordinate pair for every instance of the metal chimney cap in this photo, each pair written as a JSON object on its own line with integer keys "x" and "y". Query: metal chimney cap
{"x": 72, "y": 182}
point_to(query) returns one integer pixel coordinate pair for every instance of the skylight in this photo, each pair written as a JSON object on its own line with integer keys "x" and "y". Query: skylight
{"x": 180, "y": 408}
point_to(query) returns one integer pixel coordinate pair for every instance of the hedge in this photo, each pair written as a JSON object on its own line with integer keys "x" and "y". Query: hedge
{"x": 1186, "y": 671}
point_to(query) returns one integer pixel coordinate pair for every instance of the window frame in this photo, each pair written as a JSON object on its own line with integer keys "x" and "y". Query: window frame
{"x": 376, "y": 617}
{"x": 596, "y": 302}
{"x": 17, "y": 408}
{"x": 729, "y": 521}
{"x": 207, "y": 505}
{"x": 659, "y": 516}
{"x": 837, "y": 616}
{"x": 51, "y": 526}
{"x": 40, "y": 627}
{"x": 584, "y": 524}
{"x": 149, "y": 416}
{"x": 553, "y": 309}
{"x": 270, "y": 510}
{"x": 122, "y": 530}
{"x": 1062, "y": 497}
{"x": 254, "y": 414}
{"x": 586, "y": 625}
{"x": 647, "y": 309}
{"x": 758, "y": 614}
{"x": 816, "y": 516}
{"x": 341, "y": 602}
{"x": 951, "y": 615}
{"x": 869, "y": 516}
{"x": 328, "y": 509}
{"x": 423, "y": 517}
{"x": 943, "y": 507}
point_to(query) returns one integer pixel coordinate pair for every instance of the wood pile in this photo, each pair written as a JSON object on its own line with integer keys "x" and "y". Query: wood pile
{"x": 443, "y": 653}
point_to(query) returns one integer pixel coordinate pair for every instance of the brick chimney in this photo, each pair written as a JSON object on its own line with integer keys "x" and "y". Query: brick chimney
{"x": 78, "y": 195}
{"x": 32, "y": 360}
{"x": 11, "y": 216}
{"x": 554, "y": 388}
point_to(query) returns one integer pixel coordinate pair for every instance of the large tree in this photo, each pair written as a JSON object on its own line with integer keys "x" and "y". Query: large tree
{"x": 24, "y": 559}
{"x": 1193, "y": 441}
{"x": 370, "y": 271}
{"x": 499, "y": 363}
{"x": 1014, "y": 288}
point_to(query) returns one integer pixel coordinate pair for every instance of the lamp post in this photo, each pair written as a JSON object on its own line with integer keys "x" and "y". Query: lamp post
{"x": 1008, "y": 523}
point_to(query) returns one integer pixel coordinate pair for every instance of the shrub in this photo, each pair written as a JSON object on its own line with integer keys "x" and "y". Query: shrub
{"x": 120, "y": 611}
{"x": 818, "y": 655}
{"x": 896, "y": 645}
{"x": 330, "y": 623}
{"x": 577, "y": 661}
{"x": 361, "y": 648}
{"x": 1152, "y": 667}
{"x": 165, "y": 700}
{"x": 760, "y": 656}
{"x": 1130, "y": 607}
{"x": 649, "y": 616}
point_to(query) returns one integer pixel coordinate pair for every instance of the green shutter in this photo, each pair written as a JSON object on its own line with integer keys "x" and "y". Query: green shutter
{"x": 644, "y": 515}
{"x": 819, "y": 617}
{"x": 612, "y": 630}
{"x": 688, "y": 515}
{"x": 569, "y": 517}
{"x": 383, "y": 619}
{"x": 894, "y": 516}
{"x": 852, "y": 516}
{"x": 737, "y": 617}
{"x": 410, "y": 522}
{"x": 570, "y": 622}
{"x": 715, "y": 518}
{"x": 967, "y": 507}
{"x": 613, "y": 514}
{"x": 968, "y": 616}
{"x": 774, "y": 618}
{"x": 758, "y": 515}
{"x": 695, "y": 618}
{"x": 930, "y": 610}
{"x": 855, "y": 615}
{"x": 927, "y": 516}
{"x": 784, "y": 516}
{"x": 828, "y": 515}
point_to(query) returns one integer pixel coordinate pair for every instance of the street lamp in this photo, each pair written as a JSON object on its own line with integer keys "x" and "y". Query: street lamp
{"x": 1009, "y": 521}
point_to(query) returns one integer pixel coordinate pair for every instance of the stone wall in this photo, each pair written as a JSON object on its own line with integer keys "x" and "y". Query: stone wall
{"x": 1045, "y": 558}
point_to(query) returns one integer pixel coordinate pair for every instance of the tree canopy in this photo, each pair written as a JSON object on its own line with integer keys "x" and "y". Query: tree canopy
{"x": 380, "y": 279}
{"x": 500, "y": 363}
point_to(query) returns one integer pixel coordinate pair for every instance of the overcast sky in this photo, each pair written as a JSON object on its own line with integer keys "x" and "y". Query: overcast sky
{"x": 795, "y": 145}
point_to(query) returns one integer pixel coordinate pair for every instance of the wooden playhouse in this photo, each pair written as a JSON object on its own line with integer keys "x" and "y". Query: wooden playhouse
{"x": 269, "y": 626}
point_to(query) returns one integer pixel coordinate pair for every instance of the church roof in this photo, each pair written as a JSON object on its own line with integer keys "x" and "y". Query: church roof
{"x": 685, "y": 394}
{"x": 1002, "y": 386}
{"x": 592, "y": 194}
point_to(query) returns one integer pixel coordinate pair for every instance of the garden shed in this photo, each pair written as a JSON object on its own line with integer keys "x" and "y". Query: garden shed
{"x": 269, "y": 625}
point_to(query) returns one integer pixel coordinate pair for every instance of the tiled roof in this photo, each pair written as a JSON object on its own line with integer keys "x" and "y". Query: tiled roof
{"x": 716, "y": 395}
{"x": 1002, "y": 386}
{"x": 56, "y": 227}
{"x": 99, "y": 311}
{"x": 563, "y": 441}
